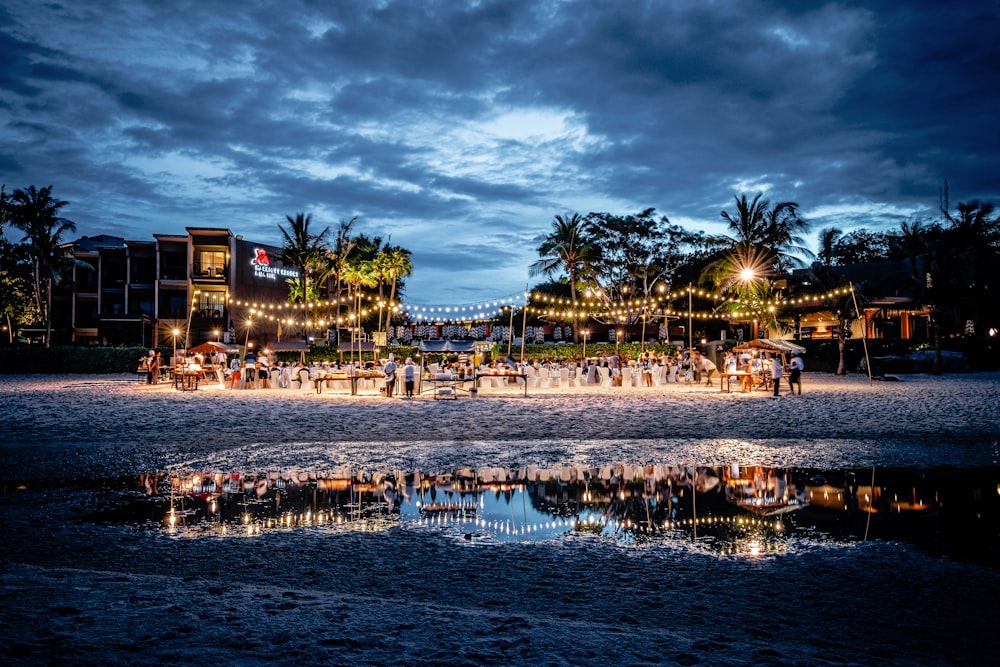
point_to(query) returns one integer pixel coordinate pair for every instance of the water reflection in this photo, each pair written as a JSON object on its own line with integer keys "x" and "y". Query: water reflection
{"x": 743, "y": 510}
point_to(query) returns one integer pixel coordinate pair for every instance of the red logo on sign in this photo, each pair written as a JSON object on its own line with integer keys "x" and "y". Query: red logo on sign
{"x": 261, "y": 259}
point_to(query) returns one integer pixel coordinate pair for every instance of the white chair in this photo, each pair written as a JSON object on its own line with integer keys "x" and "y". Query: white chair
{"x": 536, "y": 377}
{"x": 304, "y": 382}
{"x": 563, "y": 377}
{"x": 626, "y": 376}
{"x": 605, "y": 374}
{"x": 672, "y": 375}
{"x": 592, "y": 374}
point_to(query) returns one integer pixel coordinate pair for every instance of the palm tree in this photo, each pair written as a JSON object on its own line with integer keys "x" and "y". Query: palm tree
{"x": 962, "y": 258}
{"x": 762, "y": 242}
{"x": 829, "y": 241}
{"x": 303, "y": 250}
{"x": 358, "y": 275}
{"x": 36, "y": 213}
{"x": 844, "y": 306}
{"x": 392, "y": 264}
{"x": 337, "y": 259}
{"x": 569, "y": 248}
{"x": 4, "y": 200}
{"x": 776, "y": 230}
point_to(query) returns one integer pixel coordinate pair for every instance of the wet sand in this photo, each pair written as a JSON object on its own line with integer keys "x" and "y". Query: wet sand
{"x": 75, "y": 591}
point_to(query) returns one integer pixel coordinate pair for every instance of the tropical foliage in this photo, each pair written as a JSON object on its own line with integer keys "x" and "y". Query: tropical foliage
{"x": 304, "y": 250}
{"x": 355, "y": 270}
{"x": 632, "y": 267}
{"x": 570, "y": 247}
{"x": 36, "y": 213}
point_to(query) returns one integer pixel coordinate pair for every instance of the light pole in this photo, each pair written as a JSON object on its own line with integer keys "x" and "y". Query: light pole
{"x": 747, "y": 275}
{"x": 585, "y": 333}
{"x": 663, "y": 305}
{"x": 216, "y": 332}
{"x": 173, "y": 359}
{"x": 690, "y": 327}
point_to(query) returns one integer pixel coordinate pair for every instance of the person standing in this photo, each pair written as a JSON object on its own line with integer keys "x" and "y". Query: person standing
{"x": 249, "y": 370}
{"x": 390, "y": 375}
{"x": 409, "y": 376}
{"x": 696, "y": 363}
{"x": 709, "y": 367}
{"x": 234, "y": 373}
{"x": 153, "y": 362}
{"x": 776, "y": 371}
{"x": 795, "y": 378}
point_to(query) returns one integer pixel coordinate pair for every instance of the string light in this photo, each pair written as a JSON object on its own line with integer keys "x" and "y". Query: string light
{"x": 543, "y": 305}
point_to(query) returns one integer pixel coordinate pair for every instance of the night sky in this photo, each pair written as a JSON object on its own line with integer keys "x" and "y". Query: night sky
{"x": 458, "y": 129}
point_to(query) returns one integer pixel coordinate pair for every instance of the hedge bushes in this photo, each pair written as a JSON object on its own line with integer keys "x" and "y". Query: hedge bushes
{"x": 73, "y": 359}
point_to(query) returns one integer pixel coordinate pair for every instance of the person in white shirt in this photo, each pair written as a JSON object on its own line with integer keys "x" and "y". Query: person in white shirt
{"x": 776, "y": 371}
{"x": 409, "y": 376}
{"x": 390, "y": 375}
{"x": 797, "y": 366}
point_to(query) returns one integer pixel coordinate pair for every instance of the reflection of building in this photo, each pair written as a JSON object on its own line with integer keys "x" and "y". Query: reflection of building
{"x": 763, "y": 491}
{"x": 139, "y": 291}
{"x": 955, "y": 512}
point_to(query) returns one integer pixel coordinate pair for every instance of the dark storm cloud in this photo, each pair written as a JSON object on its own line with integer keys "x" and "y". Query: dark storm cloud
{"x": 459, "y": 129}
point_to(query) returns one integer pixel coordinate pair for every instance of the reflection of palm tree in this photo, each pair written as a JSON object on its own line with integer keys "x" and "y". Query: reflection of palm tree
{"x": 36, "y": 213}
{"x": 567, "y": 247}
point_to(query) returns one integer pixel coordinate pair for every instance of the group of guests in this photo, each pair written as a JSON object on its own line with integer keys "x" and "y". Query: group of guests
{"x": 649, "y": 369}
{"x": 795, "y": 367}
{"x": 154, "y": 367}
{"x": 259, "y": 372}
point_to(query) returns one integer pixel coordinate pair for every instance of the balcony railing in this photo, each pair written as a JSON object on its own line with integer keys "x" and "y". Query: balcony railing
{"x": 208, "y": 272}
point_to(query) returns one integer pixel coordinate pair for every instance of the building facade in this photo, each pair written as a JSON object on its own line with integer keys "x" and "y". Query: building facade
{"x": 125, "y": 292}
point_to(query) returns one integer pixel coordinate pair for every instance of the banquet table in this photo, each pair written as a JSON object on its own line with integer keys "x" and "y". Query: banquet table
{"x": 726, "y": 378}
{"x": 339, "y": 376}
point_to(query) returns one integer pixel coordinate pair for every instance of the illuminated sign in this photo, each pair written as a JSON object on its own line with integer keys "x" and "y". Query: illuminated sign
{"x": 262, "y": 267}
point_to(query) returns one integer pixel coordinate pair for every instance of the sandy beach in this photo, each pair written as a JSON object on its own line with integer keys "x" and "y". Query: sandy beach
{"x": 75, "y": 590}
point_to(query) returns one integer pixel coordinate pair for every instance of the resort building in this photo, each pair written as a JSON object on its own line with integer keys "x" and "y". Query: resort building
{"x": 128, "y": 292}
{"x": 125, "y": 292}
